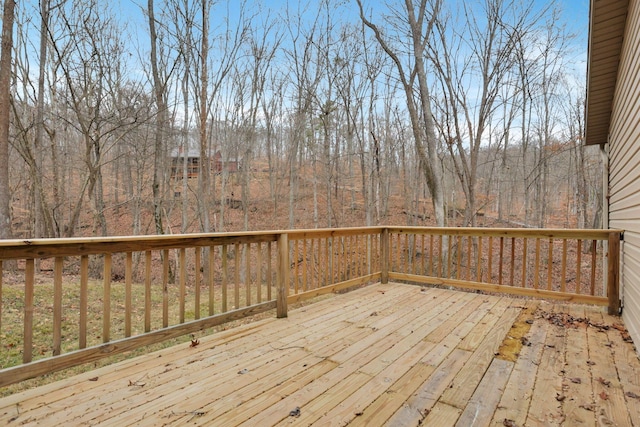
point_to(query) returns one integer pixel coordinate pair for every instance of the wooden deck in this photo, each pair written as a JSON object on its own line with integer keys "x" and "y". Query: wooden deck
{"x": 393, "y": 354}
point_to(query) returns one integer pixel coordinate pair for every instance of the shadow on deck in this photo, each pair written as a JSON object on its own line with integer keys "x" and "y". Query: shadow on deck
{"x": 390, "y": 354}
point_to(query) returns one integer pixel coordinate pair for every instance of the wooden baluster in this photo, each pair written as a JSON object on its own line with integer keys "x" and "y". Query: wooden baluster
{"x": 84, "y": 300}
{"x": 536, "y": 271}
{"x": 29, "y": 279}
{"x": 550, "y": 266}
{"x": 458, "y": 256}
{"x": 422, "y": 261}
{"x": 259, "y": 273}
{"x": 269, "y": 271}
{"x": 501, "y": 260}
{"x": 579, "y": 268}
{"x": 296, "y": 271}
{"x": 225, "y": 278}
{"x": 524, "y": 262}
{"x": 236, "y": 276}
{"x": 212, "y": 295}
{"x": 431, "y": 255}
{"x": 563, "y": 273}
{"x": 183, "y": 282}
{"x": 147, "y": 291}
{"x": 593, "y": 267}
{"x": 165, "y": 288}
{"x": 513, "y": 262}
{"x": 441, "y": 255}
{"x": 479, "y": 261}
{"x": 247, "y": 275}
{"x": 128, "y": 279}
{"x": 106, "y": 302}
{"x": 198, "y": 281}
{"x": 490, "y": 261}
{"x": 449, "y": 255}
{"x": 469, "y": 256}
{"x": 57, "y": 305}
{"x": 305, "y": 266}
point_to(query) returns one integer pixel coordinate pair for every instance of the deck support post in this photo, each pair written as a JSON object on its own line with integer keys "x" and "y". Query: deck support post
{"x": 613, "y": 273}
{"x": 283, "y": 275}
{"x": 384, "y": 254}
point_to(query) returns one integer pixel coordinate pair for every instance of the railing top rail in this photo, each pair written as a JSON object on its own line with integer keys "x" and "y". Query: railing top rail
{"x": 542, "y": 233}
{"x": 46, "y": 248}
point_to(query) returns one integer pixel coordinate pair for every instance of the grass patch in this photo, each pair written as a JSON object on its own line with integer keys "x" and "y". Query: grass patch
{"x": 11, "y": 335}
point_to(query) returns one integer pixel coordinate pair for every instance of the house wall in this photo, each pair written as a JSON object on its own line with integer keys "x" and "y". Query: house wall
{"x": 624, "y": 168}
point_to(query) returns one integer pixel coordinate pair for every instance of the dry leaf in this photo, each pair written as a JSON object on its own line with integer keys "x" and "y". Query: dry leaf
{"x": 575, "y": 380}
{"x": 603, "y": 395}
{"x": 93, "y": 379}
{"x": 194, "y": 343}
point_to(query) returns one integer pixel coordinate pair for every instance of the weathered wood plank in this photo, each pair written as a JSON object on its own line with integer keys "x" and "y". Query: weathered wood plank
{"x": 545, "y": 409}
{"x": 471, "y": 374}
{"x": 516, "y": 398}
{"x": 483, "y": 403}
{"x": 419, "y": 405}
{"x": 442, "y": 415}
{"x": 577, "y": 391}
{"x": 610, "y": 405}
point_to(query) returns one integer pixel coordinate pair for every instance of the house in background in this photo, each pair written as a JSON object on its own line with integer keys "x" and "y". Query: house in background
{"x": 191, "y": 155}
{"x": 613, "y": 122}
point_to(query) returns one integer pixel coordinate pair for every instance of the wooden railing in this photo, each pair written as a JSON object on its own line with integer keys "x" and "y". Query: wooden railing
{"x": 65, "y": 302}
{"x": 570, "y": 265}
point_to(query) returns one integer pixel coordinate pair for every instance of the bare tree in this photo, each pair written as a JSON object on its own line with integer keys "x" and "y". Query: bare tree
{"x": 160, "y": 91}
{"x": 472, "y": 66}
{"x": 420, "y": 22}
{"x": 5, "y": 98}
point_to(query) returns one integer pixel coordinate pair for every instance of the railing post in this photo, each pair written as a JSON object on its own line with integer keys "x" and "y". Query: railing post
{"x": 282, "y": 276}
{"x": 384, "y": 254}
{"x": 613, "y": 272}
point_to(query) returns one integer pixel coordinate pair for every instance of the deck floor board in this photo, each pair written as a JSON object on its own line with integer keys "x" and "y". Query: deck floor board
{"x": 393, "y": 354}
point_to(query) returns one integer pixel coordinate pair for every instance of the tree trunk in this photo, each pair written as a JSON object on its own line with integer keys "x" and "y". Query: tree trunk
{"x": 5, "y": 97}
{"x": 158, "y": 154}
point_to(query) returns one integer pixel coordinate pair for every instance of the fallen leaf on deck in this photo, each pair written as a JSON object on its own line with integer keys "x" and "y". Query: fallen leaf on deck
{"x": 295, "y": 412}
{"x": 93, "y": 379}
{"x": 603, "y": 395}
{"x": 575, "y": 380}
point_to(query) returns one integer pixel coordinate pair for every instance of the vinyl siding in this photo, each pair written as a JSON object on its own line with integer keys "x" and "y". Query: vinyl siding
{"x": 624, "y": 164}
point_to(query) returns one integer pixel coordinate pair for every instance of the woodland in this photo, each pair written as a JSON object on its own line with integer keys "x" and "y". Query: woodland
{"x": 214, "y": 116}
